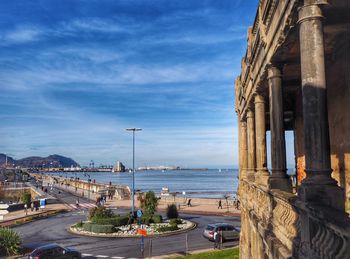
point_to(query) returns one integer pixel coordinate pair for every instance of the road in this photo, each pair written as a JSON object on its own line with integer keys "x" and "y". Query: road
{"x": 53, "y": 230}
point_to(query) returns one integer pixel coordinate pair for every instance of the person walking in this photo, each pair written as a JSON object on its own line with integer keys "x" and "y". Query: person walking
{"x": 77, "y": 203}
{"x": 220, "y": 205}
{"x": 26, "y": 209}
{"x": 32, "y": 207}
{"x": 216, "y": 239}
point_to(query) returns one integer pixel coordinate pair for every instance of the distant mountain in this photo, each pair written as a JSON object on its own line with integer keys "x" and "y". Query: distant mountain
{"x": 10, "y": 160}
{"x": 37, "y": 161}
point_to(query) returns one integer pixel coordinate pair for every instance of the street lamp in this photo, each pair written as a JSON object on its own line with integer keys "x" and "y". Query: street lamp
{"x": 133, "y": 166}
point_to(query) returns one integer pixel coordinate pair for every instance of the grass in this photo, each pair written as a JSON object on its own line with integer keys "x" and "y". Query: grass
{"x": 221, "y": 254}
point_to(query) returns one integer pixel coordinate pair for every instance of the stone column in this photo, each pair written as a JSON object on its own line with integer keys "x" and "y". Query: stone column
{"x": 278, "y": 178}
{"x": 243, "y": 150}
{"x": 318, "y": 186}
{"x": 260, "y": 132}
{"x": 251, "y": 146}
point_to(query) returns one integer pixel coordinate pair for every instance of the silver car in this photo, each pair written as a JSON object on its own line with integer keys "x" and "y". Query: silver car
{"x": 228, "y": 231}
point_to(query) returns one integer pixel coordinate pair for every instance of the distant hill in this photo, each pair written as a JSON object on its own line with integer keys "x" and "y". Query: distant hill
{"x": 37, "y": 161}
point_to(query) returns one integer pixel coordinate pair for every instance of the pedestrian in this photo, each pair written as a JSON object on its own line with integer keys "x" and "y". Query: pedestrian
{"x": 216, "y": 239}
{"x": 189, "y": 203}
{"x": 32, "y": 206}
{"x": 77, "y": 203}
{"x": 26, "y": 209}
{"x": 220, "y": 205}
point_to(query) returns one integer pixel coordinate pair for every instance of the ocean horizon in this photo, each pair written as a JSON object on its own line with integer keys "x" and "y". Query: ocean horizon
{"x": 211, "y": 183}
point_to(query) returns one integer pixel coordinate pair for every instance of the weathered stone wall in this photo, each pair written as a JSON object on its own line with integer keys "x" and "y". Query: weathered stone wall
{"x": 338, "y": 79}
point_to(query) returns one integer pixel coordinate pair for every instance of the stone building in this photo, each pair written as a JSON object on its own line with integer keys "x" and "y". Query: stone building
{"x": 295, "y": 77}
{"x": 119, "y": 167}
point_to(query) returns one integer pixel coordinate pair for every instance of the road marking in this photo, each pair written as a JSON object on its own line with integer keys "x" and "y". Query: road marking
{"x": 87, "y": 254}
{"x": 102, "y": 256}
{"x": 118, "y": 257}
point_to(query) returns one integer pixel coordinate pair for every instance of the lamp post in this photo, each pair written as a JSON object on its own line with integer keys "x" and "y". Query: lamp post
{"x": 133, "y": 167}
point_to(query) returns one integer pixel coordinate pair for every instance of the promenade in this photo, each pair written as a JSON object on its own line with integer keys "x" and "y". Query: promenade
{"x": 198, "y": 205}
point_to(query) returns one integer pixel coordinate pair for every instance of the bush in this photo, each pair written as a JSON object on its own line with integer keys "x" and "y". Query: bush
{"x": 157, "y": 218}
{"x": 148, "y": 219}
{"x": 175, "y": 222}
{"x": 167, "y": 228}
{"x": 26, "y": 198}
{"x": 79, "y": 225}
{"x": 100, "y": 212}
{"x": 9, "y": 242}
{"x": 87, "y": 227}
{"x": 115, "y": 221}
{"x": 171, "y": 212}
{"x": 95, "y": 228}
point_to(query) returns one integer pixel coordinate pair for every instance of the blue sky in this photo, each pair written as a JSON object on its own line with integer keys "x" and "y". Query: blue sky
{"x": 75, "y": 74}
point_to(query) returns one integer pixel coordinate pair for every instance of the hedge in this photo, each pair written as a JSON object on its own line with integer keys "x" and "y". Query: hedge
{"x": 96, "y": 228}
{"x": 148, "y": 219}
{"x": 115, "y": 221}
{"x": 167, "y": 228}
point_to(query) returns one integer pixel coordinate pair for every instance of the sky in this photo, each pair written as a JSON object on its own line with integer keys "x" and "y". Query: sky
{"x": 75, "y": 74}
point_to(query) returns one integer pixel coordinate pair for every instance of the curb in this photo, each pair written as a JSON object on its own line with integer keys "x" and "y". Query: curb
{"x": 176, "y": 232}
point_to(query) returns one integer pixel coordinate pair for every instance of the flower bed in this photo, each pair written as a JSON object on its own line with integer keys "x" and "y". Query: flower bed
{"x": 152, "y": 229}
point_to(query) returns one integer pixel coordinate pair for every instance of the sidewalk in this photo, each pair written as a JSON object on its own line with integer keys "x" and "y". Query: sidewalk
{"x": 199, "y": 207}
{"x": 204, "y": 209}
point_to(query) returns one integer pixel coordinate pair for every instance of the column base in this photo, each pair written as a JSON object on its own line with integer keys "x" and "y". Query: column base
{"x": 280, "y": 183}
{"x": 250, "y": 176}
{"x": 324, "y": 195}
{"x": 262, "y": 177}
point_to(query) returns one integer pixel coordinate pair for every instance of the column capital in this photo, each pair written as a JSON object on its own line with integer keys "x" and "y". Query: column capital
{"x": 258, "y": 98}
{"x": 250, "y": 113}
{"x": 310, "y": 12}
{"x": 273, "y": 72}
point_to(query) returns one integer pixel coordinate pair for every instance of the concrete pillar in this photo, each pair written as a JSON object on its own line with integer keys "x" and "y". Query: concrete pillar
{"x": 243, "y": 150}
{"x": 278, "y": 178}
{"x": 318, "y": 186}
{"x": 260, "y": 132}
{"x": 251, "y": 146}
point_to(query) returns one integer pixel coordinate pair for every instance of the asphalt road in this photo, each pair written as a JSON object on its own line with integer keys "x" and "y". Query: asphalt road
{"x": 53, "y": 230}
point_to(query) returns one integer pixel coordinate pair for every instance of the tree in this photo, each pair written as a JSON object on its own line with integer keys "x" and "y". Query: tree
{"x": 149, "y": 203}
{"x": 26, "y": 198}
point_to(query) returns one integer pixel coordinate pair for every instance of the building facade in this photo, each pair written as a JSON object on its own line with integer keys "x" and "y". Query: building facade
{"x": 295, "y": 77}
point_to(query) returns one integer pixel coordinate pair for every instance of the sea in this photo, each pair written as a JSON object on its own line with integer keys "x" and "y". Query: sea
{"x": 211, "y": 183}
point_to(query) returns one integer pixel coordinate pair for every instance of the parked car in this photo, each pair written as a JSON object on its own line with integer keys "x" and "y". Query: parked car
{"x": 228, "y": 231}
{"x": 54, "y": 251}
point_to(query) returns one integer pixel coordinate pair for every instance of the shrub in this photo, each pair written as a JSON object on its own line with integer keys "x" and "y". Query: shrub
{"x": 79, "y": 225}
{"x": 115, "y": 221}
{"x": 26, "y": 198}
{"x": 167, "y": 228}
{"x": 87, "y": 227}
{"x": 157, "y": 218}
{"x": 171, "y": 212}
{"x": 100, "y": 212}
{"x": 9, "y": 242}
{"x": 175, "y": 222}
{"x": 96, "y": 228}
{"x": 149, "y": 203}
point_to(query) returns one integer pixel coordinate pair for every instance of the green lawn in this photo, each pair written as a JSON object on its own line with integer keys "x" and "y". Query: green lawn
{"x": 222, "y": 254}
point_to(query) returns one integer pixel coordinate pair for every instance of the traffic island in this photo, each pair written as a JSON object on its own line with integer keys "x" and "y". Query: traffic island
{"x": 168, "y": 227}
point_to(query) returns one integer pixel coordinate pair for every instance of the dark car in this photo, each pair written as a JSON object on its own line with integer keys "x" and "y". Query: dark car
{"x": 228, "y": 231}
{"x": 54, "y": 251}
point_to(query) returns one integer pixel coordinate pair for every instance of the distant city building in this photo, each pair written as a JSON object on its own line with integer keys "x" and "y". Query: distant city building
{"x": 119, "y": 167}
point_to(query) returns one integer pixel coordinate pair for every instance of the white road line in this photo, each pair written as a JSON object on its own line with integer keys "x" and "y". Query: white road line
{"x": 87, "y": 254}
{"x": 102, "y": 256}
{"x": 118, "y": 257}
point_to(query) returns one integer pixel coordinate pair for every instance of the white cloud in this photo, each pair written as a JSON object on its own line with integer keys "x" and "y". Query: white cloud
{"x": 21, "y": 35}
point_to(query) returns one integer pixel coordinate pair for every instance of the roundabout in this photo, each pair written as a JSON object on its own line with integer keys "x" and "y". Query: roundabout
{"x": 135, "y": 231}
